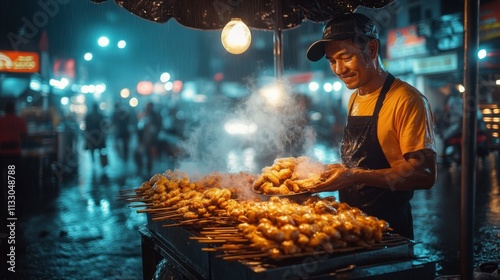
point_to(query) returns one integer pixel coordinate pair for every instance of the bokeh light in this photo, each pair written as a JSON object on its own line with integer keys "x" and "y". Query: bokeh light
{"x": 88, "y": 56}
{"x": 133, "y": 102}
{"x": 165, "y": 77}
{"x": 124, "y": 93}
{"x": 103, "y": 41}
{"x": 121, "y": 44}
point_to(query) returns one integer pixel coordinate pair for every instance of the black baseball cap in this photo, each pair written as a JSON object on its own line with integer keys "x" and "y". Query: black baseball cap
{"x": 340, "y": 28}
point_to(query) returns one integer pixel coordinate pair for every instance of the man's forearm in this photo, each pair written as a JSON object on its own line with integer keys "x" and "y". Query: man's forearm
{"x": 417, "y": 172}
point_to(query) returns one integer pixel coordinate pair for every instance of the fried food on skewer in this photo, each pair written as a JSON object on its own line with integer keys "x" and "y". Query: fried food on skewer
{"x": 288, "y": 176}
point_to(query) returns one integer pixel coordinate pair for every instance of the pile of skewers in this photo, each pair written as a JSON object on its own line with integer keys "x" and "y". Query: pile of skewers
{"x": 279, "y": 227}
{"x": 233, "y": 221}
{"x": 173, "y": 196}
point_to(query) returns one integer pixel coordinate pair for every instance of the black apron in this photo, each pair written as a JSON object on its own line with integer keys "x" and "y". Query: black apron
{"x": 360, "y": 148}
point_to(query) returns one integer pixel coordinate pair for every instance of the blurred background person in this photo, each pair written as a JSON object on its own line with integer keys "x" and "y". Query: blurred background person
{"x": 13, "y": 132}
{"x": 95, "y": 134}
{"x": 149, "y": 126}
{"x": 122, "y": 119}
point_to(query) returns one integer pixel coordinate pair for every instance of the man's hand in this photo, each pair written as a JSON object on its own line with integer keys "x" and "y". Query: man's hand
{"x": 336, "y": 177}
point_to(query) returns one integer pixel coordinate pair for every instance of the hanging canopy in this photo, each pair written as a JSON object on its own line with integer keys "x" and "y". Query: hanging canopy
{"x": 260, "y": 14}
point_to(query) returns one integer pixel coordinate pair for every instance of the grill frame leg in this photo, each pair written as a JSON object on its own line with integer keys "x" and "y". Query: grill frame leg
{"x": 150, "y": 257}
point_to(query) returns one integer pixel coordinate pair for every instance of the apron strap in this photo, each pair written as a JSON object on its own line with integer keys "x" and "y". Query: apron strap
{"x": 385, "y": 88}
{"x": 387, "y": 84}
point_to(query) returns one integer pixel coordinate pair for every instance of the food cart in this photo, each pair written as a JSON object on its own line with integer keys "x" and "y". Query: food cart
{"x": 211, "y": 228}
{"x": 170, "y": 251}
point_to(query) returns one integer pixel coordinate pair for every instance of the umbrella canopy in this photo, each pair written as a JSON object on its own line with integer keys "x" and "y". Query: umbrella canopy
{"x": 261, "y": 14}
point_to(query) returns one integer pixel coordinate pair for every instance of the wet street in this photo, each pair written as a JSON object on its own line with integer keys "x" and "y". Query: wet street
{"x": 77, "y": 229}
{"x": 437, "y": 217}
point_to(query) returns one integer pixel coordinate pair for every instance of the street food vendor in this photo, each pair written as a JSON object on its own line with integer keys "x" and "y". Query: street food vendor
{"x": 388, "y": 148}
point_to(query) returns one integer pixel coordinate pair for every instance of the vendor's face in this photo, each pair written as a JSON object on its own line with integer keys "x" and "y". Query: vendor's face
{"x": 351, "y": 64}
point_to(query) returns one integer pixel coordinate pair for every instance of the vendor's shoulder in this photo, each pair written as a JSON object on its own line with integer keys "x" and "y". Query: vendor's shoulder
{"x": 404, "y": 89}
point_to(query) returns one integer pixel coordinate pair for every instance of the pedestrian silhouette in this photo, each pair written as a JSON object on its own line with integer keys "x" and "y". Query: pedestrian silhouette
{"x": 121, "y": 122}
{"x": 95, "y": 134}
{"x": 13, "y": 131}
{"x": 149, "y": 125}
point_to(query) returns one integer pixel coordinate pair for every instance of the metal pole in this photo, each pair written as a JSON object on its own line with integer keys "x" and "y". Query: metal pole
{"x": 278, "y": 39}
{"x": 469, "y": 130}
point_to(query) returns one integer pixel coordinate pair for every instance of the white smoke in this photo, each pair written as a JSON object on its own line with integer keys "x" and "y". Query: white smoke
{"x": 275, "y": 111}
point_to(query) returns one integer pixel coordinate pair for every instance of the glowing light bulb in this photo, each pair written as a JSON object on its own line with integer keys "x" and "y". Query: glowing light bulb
{"x": 236, "y": 36}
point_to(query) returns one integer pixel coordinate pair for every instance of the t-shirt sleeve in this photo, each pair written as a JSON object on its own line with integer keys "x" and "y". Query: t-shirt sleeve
{"x": 416, "y": 124}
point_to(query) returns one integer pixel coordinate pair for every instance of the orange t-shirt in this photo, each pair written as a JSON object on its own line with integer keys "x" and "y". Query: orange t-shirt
{"x": 405, "y": 124}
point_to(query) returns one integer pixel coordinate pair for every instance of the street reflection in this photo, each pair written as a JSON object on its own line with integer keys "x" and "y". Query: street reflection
{"x": 437, "y": 215}
{"x": 90, "y": 205}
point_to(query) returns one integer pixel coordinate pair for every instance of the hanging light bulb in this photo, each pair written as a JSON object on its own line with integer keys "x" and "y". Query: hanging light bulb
{"x": 236, "y": 36}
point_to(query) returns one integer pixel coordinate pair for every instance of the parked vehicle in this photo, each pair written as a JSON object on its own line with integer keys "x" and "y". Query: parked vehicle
{"x": 453, "y": 139}
{"x": 452, "y": 150}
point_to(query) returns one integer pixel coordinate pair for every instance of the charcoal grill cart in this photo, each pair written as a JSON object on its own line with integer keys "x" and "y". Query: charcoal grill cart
{"x": 171, "y": 253}
{"x": 211, "y": 227}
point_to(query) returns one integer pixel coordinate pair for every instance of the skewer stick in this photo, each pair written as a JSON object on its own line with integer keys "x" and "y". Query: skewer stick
{"x": 137, "y": 200}
{"x": 220, "y": 249}
{"x": 236, "y": 247}
{"x": 223, "y": 248}
{"x": 225, "y": 237}
{"x": 215, "y": 235}
{"x": 245, "y": 256}
{"x": 165, "y": 213}
{"x": 198, "y": 237}
{"x": 155, "y": 209}
{"x": 237, "y": 239}
{"x": 219, "y": 228}
{"x": 128, "y": 196}
{"x": 171, "y": 225}
{"x": 167, "y": 217}
{"x": 192, "y": 221}
{"x": 221, "y": 239}
{"x": 210, "y": 241}
{"x": 220, "y": 231}
{"x": 141, "y": 205}
{"x": 209, "y": 249}
{"x": 128, "y": 190}
{"x": 202, "y": 220}
{"x": 230, "y": 238}
{"x": 205, "y": 220}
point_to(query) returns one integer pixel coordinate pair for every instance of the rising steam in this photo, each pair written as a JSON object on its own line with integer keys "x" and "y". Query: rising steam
{"x": 279, "y": 116}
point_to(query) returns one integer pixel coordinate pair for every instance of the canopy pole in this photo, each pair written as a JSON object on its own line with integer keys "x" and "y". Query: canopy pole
{"x": 278, "y": 39}
{"x": 469, "y": 130}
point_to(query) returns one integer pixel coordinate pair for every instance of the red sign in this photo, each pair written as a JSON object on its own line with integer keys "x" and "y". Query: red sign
{"x": 300, "y": 78}
{"x": 404, "y": 42}
{"x": 19, "y": 62}
{"x": 489, "y": 13}
{"x": 64, "y": 67}
{"x": 489, "y": 20}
